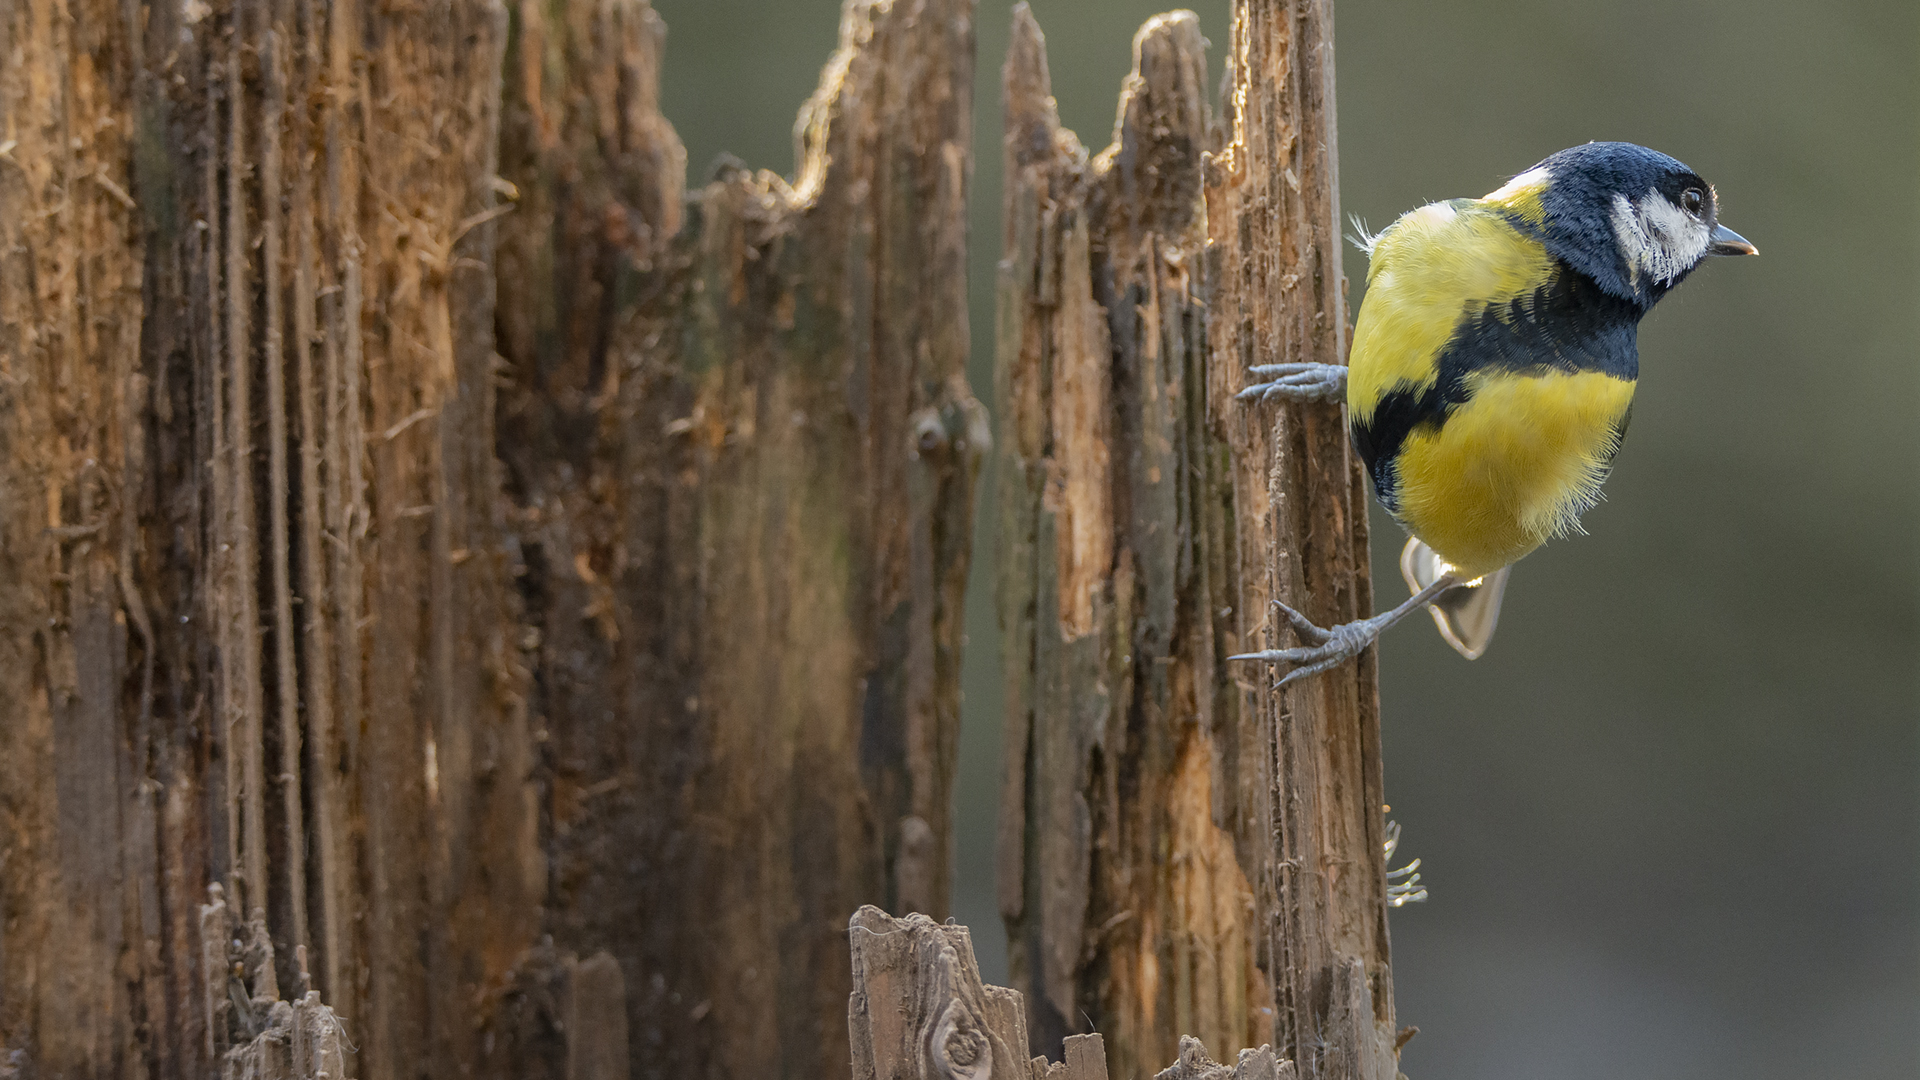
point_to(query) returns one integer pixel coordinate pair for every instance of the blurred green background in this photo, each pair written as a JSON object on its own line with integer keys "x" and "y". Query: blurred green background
{"x": 1671, "y": 821}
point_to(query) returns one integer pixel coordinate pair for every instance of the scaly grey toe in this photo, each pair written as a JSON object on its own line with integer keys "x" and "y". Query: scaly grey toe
{"x": 1296, "y": 382}
{"x": 1332, "y": 646}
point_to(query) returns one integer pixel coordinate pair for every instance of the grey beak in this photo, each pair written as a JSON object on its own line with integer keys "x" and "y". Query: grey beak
{"x": 1728, "y": 242}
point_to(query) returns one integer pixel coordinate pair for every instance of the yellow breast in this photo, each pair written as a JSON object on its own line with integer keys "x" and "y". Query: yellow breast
{"x": 1512, "y": 467}
{"x": 1487, "y": 467}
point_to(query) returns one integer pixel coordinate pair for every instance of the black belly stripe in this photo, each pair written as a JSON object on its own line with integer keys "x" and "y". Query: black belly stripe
{"x": 1567, "y": 325}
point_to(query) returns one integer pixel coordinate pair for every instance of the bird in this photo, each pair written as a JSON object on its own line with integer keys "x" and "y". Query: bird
{"x": 1492, "y": 372}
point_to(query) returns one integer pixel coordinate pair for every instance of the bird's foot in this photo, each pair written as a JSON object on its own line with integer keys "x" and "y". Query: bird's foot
{"x": 1326, "y": 647}
{"x": 1403, "y": 885}
{"x": 1297, "y": 382}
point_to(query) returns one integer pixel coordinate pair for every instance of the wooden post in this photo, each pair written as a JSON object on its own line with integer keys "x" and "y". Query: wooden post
{"x": 256, "y": 625}
{"x": 742, "y": 454}
{"x": 1184, "y": 850}
{"x": 433, "y": 551}
{"x": 1301, "y": 498}
{"x": 919, "y": 1010}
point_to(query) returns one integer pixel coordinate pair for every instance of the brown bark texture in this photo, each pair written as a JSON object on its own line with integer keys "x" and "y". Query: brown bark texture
{"x": 446, "y": 570}
{"x": 1183, "y": 849}
{"x": 920, "y": 1011}
{"x": 741, "y": 453}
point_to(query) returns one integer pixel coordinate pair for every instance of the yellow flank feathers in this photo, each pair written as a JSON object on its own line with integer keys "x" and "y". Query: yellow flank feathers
{"x": 1433, "y": 267}
{"x": 1512, "y": 467}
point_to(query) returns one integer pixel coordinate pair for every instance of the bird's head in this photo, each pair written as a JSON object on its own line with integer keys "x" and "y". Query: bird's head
{"x": 1634, "y": 220}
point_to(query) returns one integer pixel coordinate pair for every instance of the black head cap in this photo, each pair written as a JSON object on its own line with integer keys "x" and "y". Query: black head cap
{"x": 1634, "y": 220}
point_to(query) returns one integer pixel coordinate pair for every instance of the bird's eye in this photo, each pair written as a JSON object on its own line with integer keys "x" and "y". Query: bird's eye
{"x": 1693, "y": 199}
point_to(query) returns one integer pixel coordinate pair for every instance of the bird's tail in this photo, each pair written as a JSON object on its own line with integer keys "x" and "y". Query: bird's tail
{"x": 1466, "y": 614}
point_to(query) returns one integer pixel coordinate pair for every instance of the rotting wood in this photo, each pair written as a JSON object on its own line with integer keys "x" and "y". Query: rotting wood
{"x": 597, "y": 1020}
{"x": 299, "y": 1040}
{"x": 264, "y": 1037}
{"x": 920, "y": 1010}
{"x": 1183, "y": 849}
{"x": 741, "y": 452}
{"x": 661, "y": 671}
{"x": 1255, "y": 1064}
{"x": 73, "y": 825}
{"x": 230, "y": 249}
{"x": 1273, "y": 209}
{"x": 1127, "y": 890}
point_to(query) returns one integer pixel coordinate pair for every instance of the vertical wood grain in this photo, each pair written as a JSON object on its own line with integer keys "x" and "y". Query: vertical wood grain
{"x": 1183, "y": 850}
{"x": 437, "y": 549}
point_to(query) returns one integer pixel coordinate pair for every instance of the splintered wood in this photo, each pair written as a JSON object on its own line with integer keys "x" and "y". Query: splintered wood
{"x": 1124, "y": 727}
{"x": 920, "y": 1012}
{"x": 919, "y": 1009}
{"x": 742, "y": 454}
{"x": 435, "y": 547}
{"x": 246, "y": 315}
{"x": 425, "y": 525}
{"x": 301, "y": 1040}
{"x": 1194, "y": 1064}
{"x": 1182, "y": 848}
{"x": 1273, "y": 211}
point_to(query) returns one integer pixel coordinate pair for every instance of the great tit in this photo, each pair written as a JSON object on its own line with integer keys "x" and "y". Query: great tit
{"x": 1493, "y": 367}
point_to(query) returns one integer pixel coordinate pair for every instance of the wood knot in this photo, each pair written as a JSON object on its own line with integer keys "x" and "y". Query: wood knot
{"x": 960, "y": 1047}
{"x": 928, "y": 431}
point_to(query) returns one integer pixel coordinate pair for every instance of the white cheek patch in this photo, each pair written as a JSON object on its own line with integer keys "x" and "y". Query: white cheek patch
{"x": 1659, "y": 240}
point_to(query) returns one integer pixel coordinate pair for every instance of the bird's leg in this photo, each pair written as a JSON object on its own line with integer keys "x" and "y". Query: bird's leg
{"x": 1297, "y": 382}
{"x": 1328, "y": 648}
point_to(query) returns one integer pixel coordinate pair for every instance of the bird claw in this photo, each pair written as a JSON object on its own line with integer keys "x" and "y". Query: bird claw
{"x": 1328, "y": 647}
{"x": 1303, "y": 627}
{"x": 1409, "y": 891}
{"x": 1296, "y": 382}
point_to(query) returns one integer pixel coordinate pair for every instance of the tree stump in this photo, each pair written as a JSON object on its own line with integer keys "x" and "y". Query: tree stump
{"x": 425, "y": 526}
{"x": 1184, "y": 850}
{"x": 741, "y": 452}
{"x": 919, "y": 1010}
